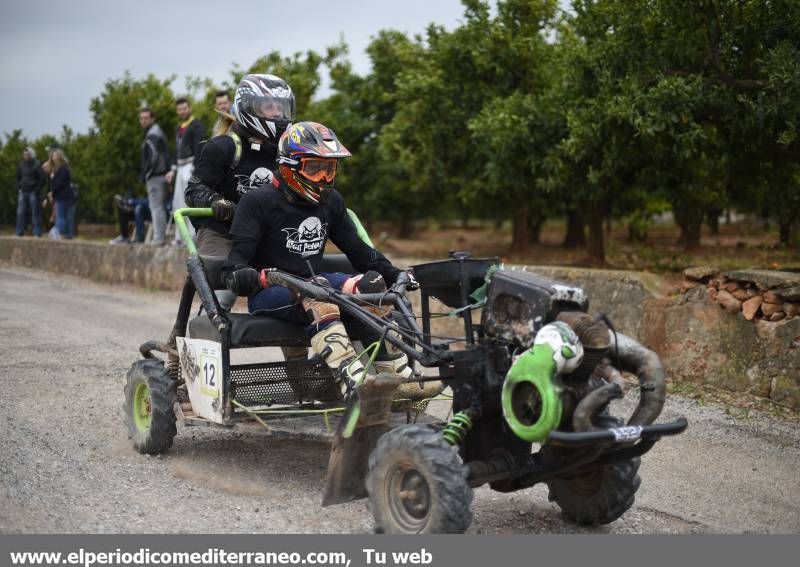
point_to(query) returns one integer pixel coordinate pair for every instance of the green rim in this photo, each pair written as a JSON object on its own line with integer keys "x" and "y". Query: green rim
{"x": 531, "y": 401}
{"x": 141, "y": 408}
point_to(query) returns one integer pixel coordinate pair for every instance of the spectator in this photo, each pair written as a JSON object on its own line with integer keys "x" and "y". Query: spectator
{"x": 190, "y": 134}
{"x": 30, "y": 179}
{"x": 131, "y": 209}
{"x": 222, "y": 104}
{"x": 61, "y": 189}
{"x": 154, "y": 166}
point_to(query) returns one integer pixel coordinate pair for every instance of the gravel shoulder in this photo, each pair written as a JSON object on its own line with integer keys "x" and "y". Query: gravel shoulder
{"x": 67, "y": 466}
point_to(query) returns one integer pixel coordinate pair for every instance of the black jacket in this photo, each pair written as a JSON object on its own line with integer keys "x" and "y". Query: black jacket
{"x": 187, "y": 142}
{"x": 61, "y": 185}
{"x": 155, "y": 155}
{"x": 273, "y": 230}
{"x": 216, "y": 175}
{"x": 30, "y": 176}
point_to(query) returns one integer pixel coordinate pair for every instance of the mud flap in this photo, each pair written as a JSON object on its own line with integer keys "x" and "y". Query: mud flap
{"x": 365, "y": 420}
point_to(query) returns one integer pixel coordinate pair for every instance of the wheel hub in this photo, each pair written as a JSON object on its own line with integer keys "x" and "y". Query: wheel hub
{"x": 142, "y": 408}
{"x": 409, "y": 496}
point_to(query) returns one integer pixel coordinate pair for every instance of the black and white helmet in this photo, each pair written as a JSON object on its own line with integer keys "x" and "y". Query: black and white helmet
{"x": 263, "y": 106}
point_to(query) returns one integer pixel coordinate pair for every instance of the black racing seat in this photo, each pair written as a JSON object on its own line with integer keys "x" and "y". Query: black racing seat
{"x": 251, "y": 331}
{"x": 257, "y": 330}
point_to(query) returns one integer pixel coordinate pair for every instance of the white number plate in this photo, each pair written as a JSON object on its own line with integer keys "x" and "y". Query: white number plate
{"x": 631, "y": 433}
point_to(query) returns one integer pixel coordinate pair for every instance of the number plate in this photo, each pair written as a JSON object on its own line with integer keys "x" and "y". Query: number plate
{"x": 201, "y": 368}
{"x": 631, "y": 433}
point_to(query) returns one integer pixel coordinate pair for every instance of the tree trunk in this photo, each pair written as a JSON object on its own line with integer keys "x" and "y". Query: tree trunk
{"x": 535, "y": 229}
{"x": 712, "y": 220}
{"x": 596, "y": 244}
{"x": 576, "y": 233}
{"x": 690, "y": 222}
{"x": 520, "y": 232}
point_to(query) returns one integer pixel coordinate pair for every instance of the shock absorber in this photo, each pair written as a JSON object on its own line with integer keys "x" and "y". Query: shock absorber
{"x": 458, "y": 427}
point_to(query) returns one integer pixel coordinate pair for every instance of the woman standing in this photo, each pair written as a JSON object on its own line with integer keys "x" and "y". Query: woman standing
{"x": 61, "y": 189}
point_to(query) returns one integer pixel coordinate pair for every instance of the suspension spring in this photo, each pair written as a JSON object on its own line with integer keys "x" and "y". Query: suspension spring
{"x": 455, "y": 431}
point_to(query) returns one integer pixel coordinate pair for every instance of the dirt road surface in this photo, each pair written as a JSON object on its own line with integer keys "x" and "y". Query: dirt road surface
{"x": 66, "y": 464}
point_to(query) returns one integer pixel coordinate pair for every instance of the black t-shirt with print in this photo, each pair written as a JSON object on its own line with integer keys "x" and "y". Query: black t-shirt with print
{"x": 269, "y": 231}
{"x": 213, "y": 175}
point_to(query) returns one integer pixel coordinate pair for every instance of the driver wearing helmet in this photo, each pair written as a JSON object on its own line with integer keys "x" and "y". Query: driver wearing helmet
{"x": 238, "y": 161}
{"x": 285, "y": 225}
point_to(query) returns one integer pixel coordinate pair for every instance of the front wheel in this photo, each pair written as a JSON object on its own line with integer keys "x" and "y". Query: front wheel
{"x": 418, "y": 484}
{"x": 599, "y": 496}
{"x": 150, "y": 396}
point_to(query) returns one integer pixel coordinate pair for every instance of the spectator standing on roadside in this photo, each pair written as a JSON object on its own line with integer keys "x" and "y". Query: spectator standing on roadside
{"x": 30, "y": 179}
{"x": 222, "y": 104}
{"x": 61, "y": 189}
{"x": 154, "y": 166}
{"x": 190, "y": 134}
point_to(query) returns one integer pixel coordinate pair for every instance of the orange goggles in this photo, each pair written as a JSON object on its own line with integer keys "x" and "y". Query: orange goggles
{"x": 318, "y": 170}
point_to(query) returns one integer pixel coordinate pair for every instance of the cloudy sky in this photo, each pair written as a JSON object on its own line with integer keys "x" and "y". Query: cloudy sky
{"x": 56, "y": 55}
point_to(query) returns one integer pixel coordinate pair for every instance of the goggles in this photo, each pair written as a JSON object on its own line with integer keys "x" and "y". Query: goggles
{"x": 318, "y": 170}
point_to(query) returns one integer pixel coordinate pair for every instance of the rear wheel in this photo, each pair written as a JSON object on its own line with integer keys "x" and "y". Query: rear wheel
{"x": 417, "y": 483}
{"x": 599, "y": 496}
{"x": 149, "y": 400}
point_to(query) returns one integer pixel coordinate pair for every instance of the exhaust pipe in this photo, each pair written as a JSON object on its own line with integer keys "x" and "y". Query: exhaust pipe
{"x": 633, "y": 358}
{"x": 646, "y": 366}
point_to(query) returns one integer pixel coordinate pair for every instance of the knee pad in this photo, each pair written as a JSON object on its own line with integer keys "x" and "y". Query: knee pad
{"x": 320, "y": 312}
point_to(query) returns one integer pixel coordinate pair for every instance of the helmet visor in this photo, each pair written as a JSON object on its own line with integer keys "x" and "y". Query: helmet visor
{"x": 272, "y": 108}
{"x": 318, "y": 170}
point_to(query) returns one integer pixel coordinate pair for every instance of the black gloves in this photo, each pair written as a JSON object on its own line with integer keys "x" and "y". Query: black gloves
{"x": 223, "y": 210}
{"x": 407, "y": 278}
{"x": 243, "y": 281}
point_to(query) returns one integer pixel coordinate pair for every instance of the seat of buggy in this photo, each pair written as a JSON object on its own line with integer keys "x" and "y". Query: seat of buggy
{"x": 257, "y": 330}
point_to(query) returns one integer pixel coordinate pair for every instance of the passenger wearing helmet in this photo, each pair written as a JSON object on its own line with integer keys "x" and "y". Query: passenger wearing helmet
{"x": 238, "y": 161}
{"x": 285, "y": 225}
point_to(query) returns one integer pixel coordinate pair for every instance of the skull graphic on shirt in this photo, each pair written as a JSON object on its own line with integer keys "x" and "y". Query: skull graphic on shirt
{"x": 260, "y": 176}
{"x": 308, "y": 239}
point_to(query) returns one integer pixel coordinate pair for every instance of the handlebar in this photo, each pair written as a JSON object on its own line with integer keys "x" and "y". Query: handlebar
{"x": 318, "y": 291}
{"x": 180, "y": 223}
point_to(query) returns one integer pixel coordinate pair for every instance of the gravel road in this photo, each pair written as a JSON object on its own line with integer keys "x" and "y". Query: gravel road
{"x": 66, "y": 465}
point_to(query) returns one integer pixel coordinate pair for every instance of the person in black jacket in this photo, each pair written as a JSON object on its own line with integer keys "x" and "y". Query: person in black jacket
{"x": 30, "y": 179}
{"x": 154, "y": 166}
{"x": 61, "y": 190}
{"x": 286, "y": 225}
{"x": 238, "y": 161}
{"x": 190, "y": 134}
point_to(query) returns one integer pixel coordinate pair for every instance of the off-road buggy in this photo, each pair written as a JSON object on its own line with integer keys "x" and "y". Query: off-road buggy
{"x": 531, "y": 386}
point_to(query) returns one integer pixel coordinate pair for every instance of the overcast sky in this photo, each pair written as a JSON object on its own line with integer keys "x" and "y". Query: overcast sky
{"x": 56, "y": 55}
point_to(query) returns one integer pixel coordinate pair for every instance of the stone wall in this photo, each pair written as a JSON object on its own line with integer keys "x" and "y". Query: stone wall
{"x": 142, "y": 266}
{"x": 698, "y": 339}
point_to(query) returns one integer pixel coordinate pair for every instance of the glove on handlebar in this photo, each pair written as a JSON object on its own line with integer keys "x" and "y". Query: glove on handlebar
{"x": 223, "y": 210}
{"x": 407, "y": 278}
{"x": 244, "y": 281}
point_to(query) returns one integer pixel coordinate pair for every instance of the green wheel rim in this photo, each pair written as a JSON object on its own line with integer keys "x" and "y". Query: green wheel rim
{"x": 141, "y": 408}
